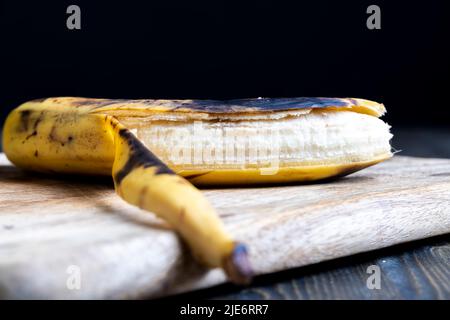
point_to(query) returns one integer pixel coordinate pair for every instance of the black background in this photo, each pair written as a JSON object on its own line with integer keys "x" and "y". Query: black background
{"x": 222, "y": 49}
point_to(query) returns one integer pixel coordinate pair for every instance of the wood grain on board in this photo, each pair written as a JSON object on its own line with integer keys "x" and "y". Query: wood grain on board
{"x": 413, "y": 270}
{"x": 52, "y": 227}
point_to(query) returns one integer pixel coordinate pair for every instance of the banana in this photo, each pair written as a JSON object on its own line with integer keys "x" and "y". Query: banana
{"x": 152, "y": 146}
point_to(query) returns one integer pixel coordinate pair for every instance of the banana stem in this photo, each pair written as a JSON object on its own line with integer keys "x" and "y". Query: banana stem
{"x": 237, "y": 266}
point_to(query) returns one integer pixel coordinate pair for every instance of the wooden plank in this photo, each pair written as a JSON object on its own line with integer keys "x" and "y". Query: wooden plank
{"x": 415, "y": 270}
{"x": 48, "y": 224}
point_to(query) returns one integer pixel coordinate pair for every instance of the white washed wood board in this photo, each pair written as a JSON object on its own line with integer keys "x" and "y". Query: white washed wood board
{"x": 49, "y": 224}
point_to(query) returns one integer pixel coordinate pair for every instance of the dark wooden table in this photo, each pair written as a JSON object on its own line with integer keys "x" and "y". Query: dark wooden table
{"x": 416, "y": 270}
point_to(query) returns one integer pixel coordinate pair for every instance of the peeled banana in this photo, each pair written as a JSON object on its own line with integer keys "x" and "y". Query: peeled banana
{"x": 150, "y": 145}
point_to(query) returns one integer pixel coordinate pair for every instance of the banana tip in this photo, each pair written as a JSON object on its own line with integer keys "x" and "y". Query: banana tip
{"x": 237, "y": 265}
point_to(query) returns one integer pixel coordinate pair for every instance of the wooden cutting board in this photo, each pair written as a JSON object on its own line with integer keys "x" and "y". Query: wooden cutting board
{"x": 74, "y": 238}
